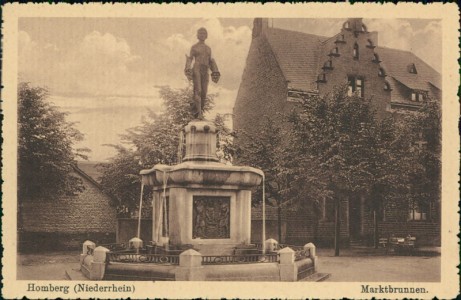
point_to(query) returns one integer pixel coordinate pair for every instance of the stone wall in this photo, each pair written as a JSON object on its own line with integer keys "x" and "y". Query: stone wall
{"x": 69, "y": 219}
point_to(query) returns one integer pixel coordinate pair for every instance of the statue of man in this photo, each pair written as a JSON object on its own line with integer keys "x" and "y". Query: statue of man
{"x": 201, "y": 53}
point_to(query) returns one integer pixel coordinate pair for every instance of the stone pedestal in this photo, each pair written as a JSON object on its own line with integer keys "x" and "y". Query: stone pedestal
{"x": 202, "y": 202}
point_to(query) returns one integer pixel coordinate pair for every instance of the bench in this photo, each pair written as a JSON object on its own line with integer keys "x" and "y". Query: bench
{"x": 398, "y": 244}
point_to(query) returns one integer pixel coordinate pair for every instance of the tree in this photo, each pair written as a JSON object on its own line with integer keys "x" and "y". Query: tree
{"x": 46, "y": 153}
{"x": 422, "y": 132}
{"x": 270, "y": 150}
{"x": 155, "y": 141}
{"x": 354, "y": 152}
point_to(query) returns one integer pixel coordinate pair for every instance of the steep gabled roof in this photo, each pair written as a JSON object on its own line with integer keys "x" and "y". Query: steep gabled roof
{"x": 397, "y": 64}
{"x": 297, "y": 55}
{"x": 82, "y": 173}
{"x": 300, "y": 57}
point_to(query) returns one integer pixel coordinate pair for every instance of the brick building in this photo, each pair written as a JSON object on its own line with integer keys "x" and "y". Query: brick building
{"x": 65, "y": 223}
{"x": 283, "y": 65}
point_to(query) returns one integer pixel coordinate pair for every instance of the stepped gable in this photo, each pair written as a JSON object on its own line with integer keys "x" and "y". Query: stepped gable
{"x": 297, "y": 55}
{"x": 397, "y": 64}
{"x": 300, "y": 55}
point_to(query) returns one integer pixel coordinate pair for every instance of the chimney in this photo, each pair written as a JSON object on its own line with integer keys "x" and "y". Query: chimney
{"x": 260, "y": 25}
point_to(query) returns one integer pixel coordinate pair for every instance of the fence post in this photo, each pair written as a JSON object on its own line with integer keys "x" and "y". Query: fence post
{"x": 270, "y": 245}
{"x": 288, "y": 268}
{"x": 86, "y": 246}
{"x": 312, "y": 254}
{"x": 98, "y": 266}
{"x": 190, "y": 266}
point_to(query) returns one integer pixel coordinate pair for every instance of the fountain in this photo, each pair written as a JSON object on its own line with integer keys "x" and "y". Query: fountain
{"x": 201, "y": 223}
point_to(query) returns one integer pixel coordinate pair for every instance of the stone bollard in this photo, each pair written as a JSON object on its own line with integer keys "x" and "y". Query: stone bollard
{"x": 271, "y": 245}
{"x": 87, "y": 245}
{"x": 288, "y": 268}
{"x": 98, "y": 266}
{"x": 312, "y": 254}
{"x": 190, "y": 266}
{"x": 135, "y": 243}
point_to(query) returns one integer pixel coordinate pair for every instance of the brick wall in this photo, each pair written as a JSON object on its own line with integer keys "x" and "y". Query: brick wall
{"x": 301, "y": 227}
{"x": 263, "y": 90}
{"x": 128, "y": 228}
{"x": 298, "y": 227}
{"x": 345, "y": 64}
{"x": 70, "y": 217}
{"x": 271, "y": 224}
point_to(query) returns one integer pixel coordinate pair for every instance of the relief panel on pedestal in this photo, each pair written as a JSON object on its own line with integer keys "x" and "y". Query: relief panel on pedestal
{"x": 211, "y": 217}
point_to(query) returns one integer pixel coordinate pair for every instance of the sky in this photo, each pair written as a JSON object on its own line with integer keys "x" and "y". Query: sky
{"x": 106, "y": 72}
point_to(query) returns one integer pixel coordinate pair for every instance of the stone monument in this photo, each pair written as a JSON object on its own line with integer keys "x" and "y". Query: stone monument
{"x": 202, "y": 202}
{"x": 201, "y": 228}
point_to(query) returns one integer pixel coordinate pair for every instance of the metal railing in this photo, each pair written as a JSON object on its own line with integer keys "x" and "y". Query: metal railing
{"x": 114, "y": 246}
{"x": 302, "y": 254}
{"x": 238, "y": 259}
{"x": 143, "y": 258}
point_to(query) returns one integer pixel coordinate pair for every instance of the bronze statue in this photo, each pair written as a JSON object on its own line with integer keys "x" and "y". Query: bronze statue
{"x": 199, "y": 72}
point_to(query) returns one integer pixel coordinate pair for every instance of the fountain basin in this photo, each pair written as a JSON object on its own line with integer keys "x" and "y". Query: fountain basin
{"x": 286, "y": 264}
{"x": 202, "y": 173}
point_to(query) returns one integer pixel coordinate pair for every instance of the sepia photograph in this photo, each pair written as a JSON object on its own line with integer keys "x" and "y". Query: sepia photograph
{"x": 304, "y": 155}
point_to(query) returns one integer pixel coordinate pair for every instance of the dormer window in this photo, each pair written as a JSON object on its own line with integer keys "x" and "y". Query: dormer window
{"x": 376, "y": 59}
{"x": 417, "y": 96}
{"x": 412, "y": 69}
{"x": 355, "y": 51}
{"x": 381, "y": 72}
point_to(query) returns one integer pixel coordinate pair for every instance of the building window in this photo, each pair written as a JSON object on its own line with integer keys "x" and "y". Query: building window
{"x": 417, "y": 213}
{"x": 346, "y": 25}
{"x": 412, "y": 69}
{"x": 364, "y": 28}
{"x": 355, "y": 51}
{"x": 417, "y": 96}
{"x": 355, "y": 85}
{"x": 328, "y": 209}
{"x": 381, "y": 72}
{"x": 296, "y": 95}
